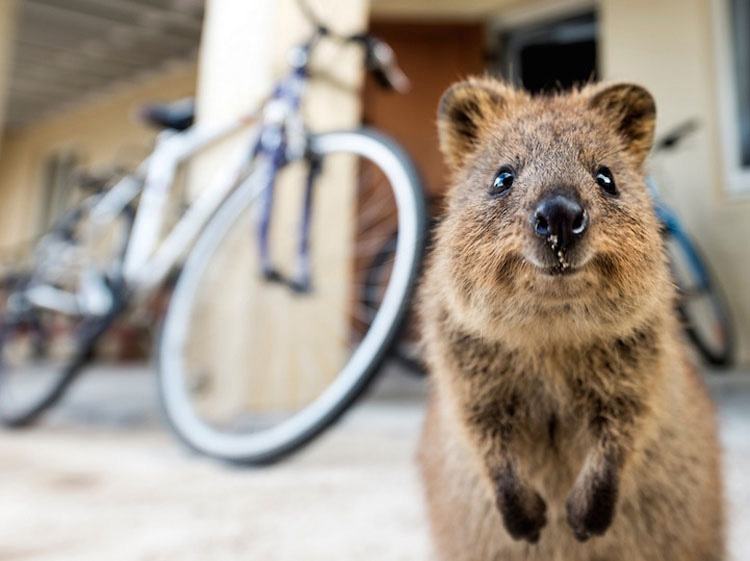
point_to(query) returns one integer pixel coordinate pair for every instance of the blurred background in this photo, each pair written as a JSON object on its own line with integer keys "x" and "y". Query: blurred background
{"x": 73, "y": 71}
{"x": 73, "y": 74}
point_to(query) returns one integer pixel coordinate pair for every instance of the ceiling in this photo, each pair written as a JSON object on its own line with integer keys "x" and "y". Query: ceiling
{"x": 67, "y": 49}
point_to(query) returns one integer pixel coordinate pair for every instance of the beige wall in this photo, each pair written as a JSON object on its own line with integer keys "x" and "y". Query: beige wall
{"x": 100, "y": 131}
{"x": 669, "y": 47}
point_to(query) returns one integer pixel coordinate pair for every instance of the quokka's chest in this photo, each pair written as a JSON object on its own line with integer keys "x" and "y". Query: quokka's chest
{"x": 548, "y": 402}
{"x": 574, "y": 383}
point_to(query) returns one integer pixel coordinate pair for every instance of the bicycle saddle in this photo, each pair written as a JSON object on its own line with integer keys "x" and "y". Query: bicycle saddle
{"x": 178, "y": 115}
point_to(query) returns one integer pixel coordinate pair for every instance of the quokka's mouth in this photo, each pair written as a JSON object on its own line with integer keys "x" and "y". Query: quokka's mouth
{"x": 562, "y": 266}
{"x": 558, "y": 271}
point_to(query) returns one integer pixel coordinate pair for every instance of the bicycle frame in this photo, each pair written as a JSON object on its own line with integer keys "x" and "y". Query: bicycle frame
{"x": 673, "y": 227}
{"x": 148, "y": 260}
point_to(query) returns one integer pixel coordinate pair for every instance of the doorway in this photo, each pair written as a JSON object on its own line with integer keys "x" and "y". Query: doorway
{"x": 550, "y": 56}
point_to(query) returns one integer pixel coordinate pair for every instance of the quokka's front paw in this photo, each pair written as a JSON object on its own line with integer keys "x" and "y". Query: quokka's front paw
{"x": 591, "y": 506}
{"x": 523, "y": 509}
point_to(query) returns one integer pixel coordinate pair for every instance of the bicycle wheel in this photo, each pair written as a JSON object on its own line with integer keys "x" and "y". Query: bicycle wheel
{"x": 257, "y": 373}
{"x": 48, "y": 324}
{"x": 701, "y": 306}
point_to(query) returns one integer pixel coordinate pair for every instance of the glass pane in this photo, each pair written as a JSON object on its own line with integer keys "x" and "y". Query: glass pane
{"x": 741, "y": 47}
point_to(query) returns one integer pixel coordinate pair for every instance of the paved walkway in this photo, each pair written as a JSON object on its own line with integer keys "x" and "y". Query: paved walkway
{"x": 101, "y": 479}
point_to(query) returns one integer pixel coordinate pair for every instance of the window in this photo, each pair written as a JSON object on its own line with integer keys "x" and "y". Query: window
{"x": 550, "y": 55}
{"x": 740, "y": 18}
{"x": 57, "y": 184}
{"x": 732, "y": 32}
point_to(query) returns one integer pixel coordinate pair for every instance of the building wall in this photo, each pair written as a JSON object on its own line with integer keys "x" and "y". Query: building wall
{"x": 676, "y": 62}
{"x": 100, "y": 131}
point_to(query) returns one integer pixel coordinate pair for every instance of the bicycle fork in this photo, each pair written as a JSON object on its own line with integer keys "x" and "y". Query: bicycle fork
{"x": 300, "y": 281}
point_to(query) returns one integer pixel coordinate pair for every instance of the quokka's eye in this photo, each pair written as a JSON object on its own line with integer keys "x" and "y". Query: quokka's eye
{"x": 605, "y": 180}
{"x": 503, "y": 181}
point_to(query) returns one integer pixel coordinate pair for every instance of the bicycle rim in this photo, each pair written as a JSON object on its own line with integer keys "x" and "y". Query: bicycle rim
{"x": 289, "y": 364}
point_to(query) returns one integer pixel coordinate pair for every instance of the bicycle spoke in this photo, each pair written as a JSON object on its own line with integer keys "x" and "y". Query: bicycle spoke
{"x": 369, "y": 249}
{"x": 374, "y": 216}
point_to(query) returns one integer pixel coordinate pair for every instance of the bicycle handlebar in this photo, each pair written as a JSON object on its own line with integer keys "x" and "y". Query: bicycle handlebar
{"x": 672, "y": 138}
{"x": 379, "y": 57}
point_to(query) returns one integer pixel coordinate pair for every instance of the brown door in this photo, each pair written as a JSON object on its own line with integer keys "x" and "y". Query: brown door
{"x": 433, "y": 56}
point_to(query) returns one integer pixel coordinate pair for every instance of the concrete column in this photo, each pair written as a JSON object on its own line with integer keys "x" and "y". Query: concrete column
{"x": 246, "y": 324}
{"x": 8, "y": 10}
{"x": 244, "y": 48}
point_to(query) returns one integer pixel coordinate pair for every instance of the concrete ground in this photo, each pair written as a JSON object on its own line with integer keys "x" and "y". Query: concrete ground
{"x": 102, "y": 479}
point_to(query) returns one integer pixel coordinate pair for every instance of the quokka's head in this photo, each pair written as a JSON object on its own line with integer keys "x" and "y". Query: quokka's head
{"x": 548, "y": 216}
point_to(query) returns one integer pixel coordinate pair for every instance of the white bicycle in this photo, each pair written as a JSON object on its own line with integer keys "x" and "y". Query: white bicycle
{"x": 266, "y": 340}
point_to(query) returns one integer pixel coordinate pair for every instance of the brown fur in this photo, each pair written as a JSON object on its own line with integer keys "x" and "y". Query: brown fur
{"x": 564, "y": 421}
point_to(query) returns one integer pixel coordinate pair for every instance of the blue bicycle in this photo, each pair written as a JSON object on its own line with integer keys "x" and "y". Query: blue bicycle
{"x": 702, "y": 307}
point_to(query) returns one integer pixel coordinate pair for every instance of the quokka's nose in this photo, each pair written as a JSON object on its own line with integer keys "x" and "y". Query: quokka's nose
{"x": 561, "y": 220}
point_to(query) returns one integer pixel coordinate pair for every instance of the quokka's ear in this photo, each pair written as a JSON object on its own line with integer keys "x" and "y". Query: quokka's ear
{"x": 465, "y": 110}
{"x": 632, "y": 110}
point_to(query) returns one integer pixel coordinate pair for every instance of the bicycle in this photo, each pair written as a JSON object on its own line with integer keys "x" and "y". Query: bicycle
{"x": 705, "y": 317}
{"x": 232, "y": 249}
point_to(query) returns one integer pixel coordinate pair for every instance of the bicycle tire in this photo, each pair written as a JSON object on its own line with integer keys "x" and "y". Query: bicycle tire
{"x": 719, "y": 353}
{"x": 272, "y": 444}
{"x": 67, "y": 375}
